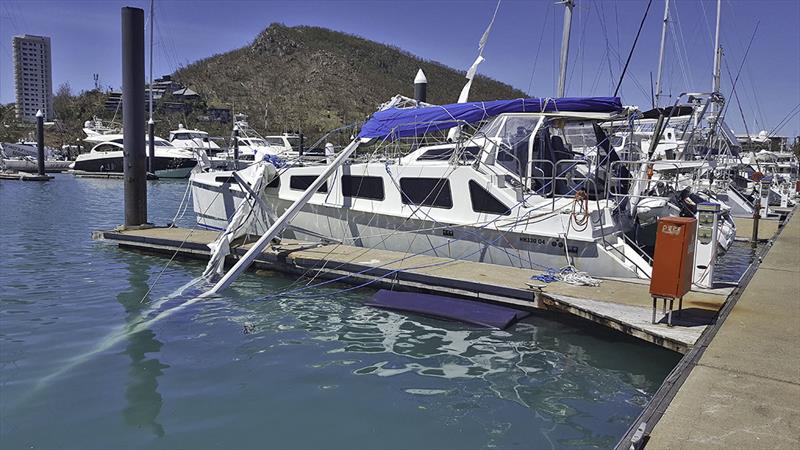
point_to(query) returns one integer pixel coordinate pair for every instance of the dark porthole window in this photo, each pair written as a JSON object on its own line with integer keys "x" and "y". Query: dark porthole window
{"x": 484, "y": 202}
{"x": 302, "y": 182}
{"x": 363, "y": 187}
{"x": 426, "y": 192}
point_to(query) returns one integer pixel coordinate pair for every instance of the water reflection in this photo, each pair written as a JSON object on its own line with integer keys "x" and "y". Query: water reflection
{"x": 550, "y": 368}
{"x": 143, "y": 401}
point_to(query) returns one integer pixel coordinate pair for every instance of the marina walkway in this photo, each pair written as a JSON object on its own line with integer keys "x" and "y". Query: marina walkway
{"x": 744, "y": 391}
{"x": 624, "y": 306}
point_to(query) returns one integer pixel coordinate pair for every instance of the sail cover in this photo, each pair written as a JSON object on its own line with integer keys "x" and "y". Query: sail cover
{"x": 402, "y": 122}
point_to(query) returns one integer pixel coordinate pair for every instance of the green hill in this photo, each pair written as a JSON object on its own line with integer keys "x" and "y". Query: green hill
{"x": 314, "y": 79}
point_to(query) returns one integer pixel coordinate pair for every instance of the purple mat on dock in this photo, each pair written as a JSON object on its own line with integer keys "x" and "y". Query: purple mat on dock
{"x": 468, "y": 311}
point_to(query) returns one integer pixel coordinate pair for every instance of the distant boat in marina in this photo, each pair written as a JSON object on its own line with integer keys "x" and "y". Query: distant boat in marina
{"x": 107, "y": 157}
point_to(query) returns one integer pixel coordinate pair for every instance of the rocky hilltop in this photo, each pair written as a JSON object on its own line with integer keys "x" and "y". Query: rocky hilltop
{"x": 315, "y": 79}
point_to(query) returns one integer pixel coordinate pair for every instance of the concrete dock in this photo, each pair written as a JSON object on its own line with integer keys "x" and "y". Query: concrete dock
{"x": 766, "y": 228}
{"x": 744, "y": 391}
{"x": 622, "y": 305}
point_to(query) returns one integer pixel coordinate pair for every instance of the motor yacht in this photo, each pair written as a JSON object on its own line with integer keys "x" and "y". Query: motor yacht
{"x": 107, "y": 157}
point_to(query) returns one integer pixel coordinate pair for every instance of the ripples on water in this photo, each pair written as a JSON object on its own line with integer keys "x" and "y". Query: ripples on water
{"x": 240, "y": 371}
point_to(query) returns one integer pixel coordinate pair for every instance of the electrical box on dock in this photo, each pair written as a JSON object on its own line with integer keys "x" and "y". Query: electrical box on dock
{"x": 673, "y": 260}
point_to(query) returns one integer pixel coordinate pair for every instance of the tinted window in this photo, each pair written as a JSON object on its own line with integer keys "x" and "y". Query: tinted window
{"x": 426, "y": 192}
{"x": 302, "y": 182}
{"x": 443, "y": 154}
{"x": 484, "y": 202}
{"x": 107, "y": 148}
{"x": 275, "y": 183}
{"x": 362, "y": 187}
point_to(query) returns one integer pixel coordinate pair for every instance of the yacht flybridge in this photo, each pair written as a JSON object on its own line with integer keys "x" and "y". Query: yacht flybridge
{"x": 192, "y": 139}
{"x": 517, "y": 191}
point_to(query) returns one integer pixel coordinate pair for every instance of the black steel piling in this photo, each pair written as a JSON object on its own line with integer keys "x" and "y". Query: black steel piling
{"x": 40, "y": 141}
{"x": 135, "y": 168}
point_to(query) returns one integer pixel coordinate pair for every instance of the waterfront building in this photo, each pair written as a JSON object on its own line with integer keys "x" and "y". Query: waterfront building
{"x": 33, "y": 76}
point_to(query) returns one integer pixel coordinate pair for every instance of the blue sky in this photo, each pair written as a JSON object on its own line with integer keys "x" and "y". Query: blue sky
{"x": 86, "y": 40}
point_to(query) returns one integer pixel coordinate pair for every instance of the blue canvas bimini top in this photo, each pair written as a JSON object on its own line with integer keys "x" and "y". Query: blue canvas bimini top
{"x": 403, "y": 122}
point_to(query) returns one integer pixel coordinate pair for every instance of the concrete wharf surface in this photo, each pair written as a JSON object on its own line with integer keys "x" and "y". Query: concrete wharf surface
{"x": 744, "y": 391}
{"x": 622, "y": 305}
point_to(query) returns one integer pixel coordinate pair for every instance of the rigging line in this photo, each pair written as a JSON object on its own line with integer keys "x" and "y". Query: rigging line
{"x": 616, "y": 21}
{"x": 633, "y": 76}
{"x": 738, "y": 103}
{"x": 679, "y": 56}
{"x": 630, "y": 55}
{"x": 366, "y": 250}
{"x": 484, "y": 225}
{"x": 581, "y": 51}
{"x": 598, "y": 72}
{"x": 601, "y": 19}
{"x": 741, "y": 65}
{"x": 682, "y": 41}
{"x": 392, "y": 272}
{"x": 750, "y": 77}
{"x": 785, "y": 120}
{"x": 538, "y": 48}
{"x": 177, "y": 250}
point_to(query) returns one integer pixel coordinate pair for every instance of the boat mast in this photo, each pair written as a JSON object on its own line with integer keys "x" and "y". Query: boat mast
{"x": 562, "y": 77}
{"x": 717, "y": 56}
{"x": 152, "y": 25}
{"x": 661, "y": 54}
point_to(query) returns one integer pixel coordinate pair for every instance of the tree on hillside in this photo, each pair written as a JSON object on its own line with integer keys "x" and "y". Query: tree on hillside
{"x": 71, "y": 112}
{"x": 11, "y": 128}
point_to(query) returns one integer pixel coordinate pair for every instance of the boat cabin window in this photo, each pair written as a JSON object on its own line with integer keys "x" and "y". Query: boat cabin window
{"x": 294, "y": 142}
{"x": 363, "y": 187}
{"x": 582, "y": 137}
{"x": 252, "y": 142}
{"x": 444, "y": 154}
{"x": 275, "y": 183}
{"x": 484, "y": 202}
{"x": 107, "y": 148}
{"x": 426, "y": 192}
{"x": 274, "y": 141}
{"x": 302, "y": 182}
{"x": 512, "y": 135}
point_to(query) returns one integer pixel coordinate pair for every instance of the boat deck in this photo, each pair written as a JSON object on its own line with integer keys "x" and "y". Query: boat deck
{"x": 622, "y": 305}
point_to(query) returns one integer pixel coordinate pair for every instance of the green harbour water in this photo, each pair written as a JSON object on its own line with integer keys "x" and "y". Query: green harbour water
{"x": 251, "y": 369}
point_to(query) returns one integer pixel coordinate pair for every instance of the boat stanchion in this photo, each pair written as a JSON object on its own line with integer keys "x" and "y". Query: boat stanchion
{"x": 134, "y": 158}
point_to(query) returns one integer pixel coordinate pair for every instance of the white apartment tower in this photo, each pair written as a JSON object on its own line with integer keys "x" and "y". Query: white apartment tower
{"x": 33, "y": 76}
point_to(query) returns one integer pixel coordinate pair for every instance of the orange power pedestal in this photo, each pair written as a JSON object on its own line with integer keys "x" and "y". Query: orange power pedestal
{"x": 673, "y": 261}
